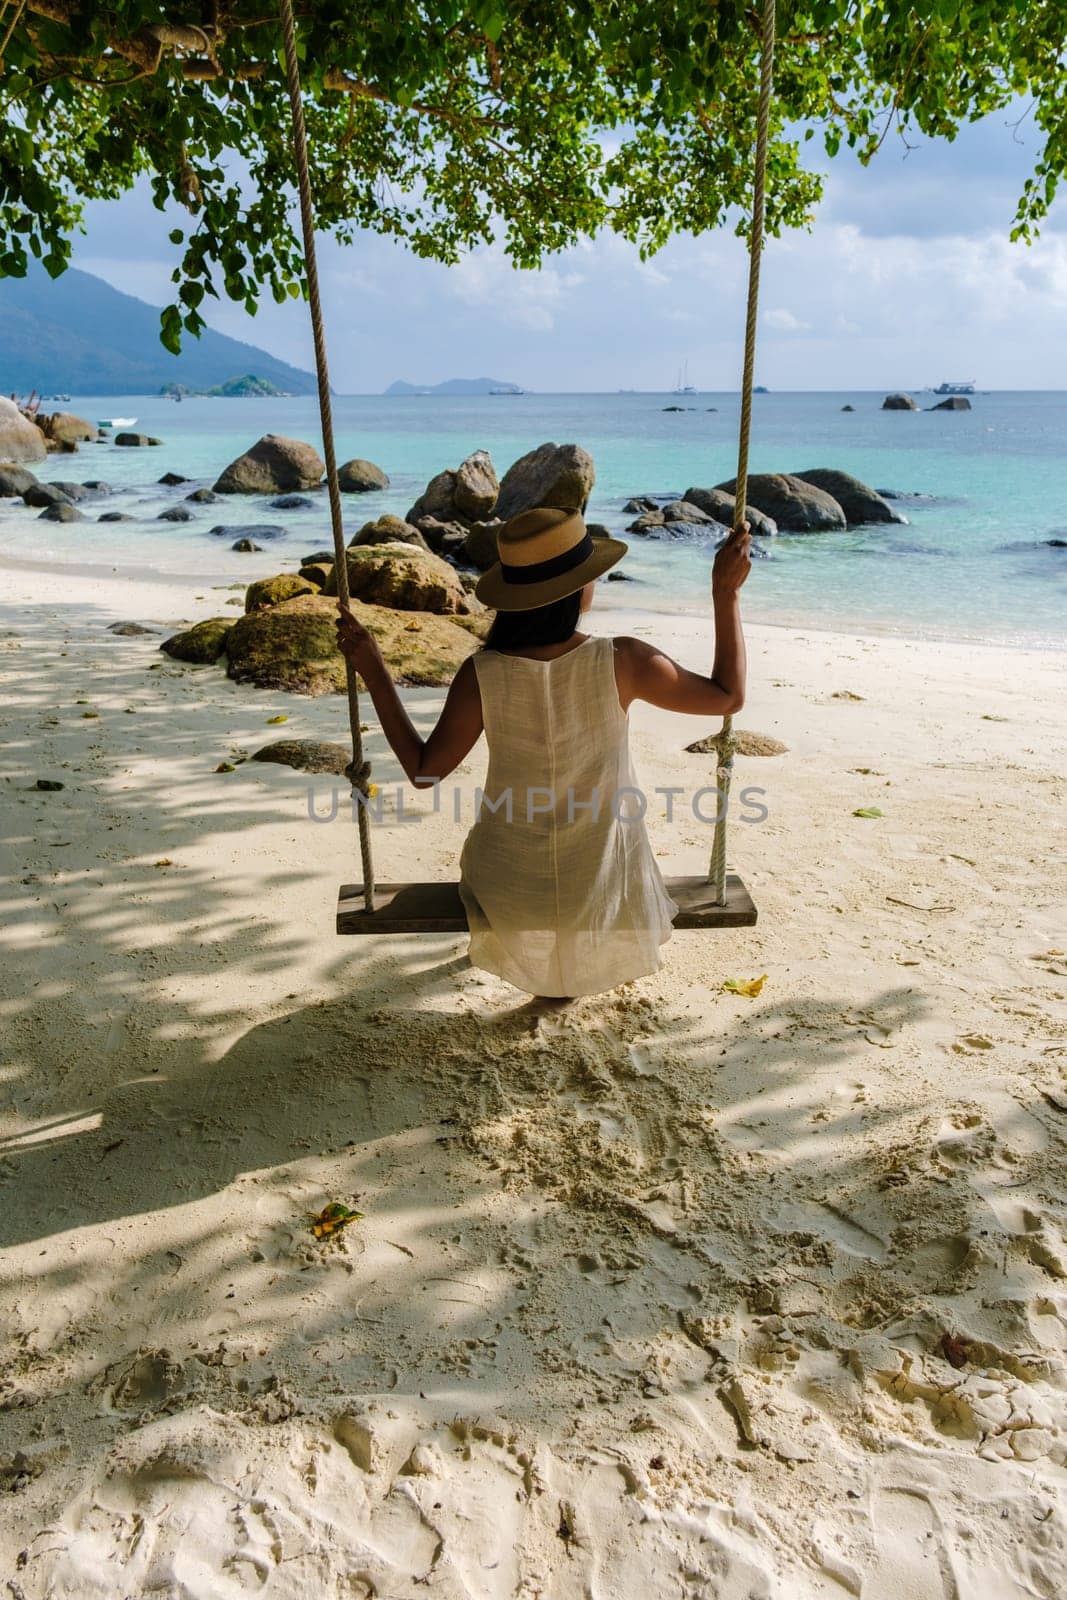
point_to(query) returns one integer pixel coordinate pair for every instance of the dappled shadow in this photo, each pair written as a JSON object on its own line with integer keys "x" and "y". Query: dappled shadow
{"x": 595, "y": 1220}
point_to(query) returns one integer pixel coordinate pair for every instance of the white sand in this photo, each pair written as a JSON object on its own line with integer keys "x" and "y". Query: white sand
{"x": 671, "y": 1294}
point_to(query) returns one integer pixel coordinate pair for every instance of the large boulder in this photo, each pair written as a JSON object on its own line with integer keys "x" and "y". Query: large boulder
{"x": 686, "y": 511}
{"x": 560, "y": 475}
{"x": 444, "y": 538}
{"x": 899, "y": 402}
{"x": 316, "y": 573}
{"x": 62, "y": 511}
{"x": 273, "y": 464}
{"x": 719, "y": 504}
{"x": 14, "y": 480}
{"x": 796, "y": 506}
{"x": 176, "y": 514}
{"x": 46, "y": 494}
{"x": 19, "y": 439}
{"x": 956, "y": 402}
{"x": 481, "y": 549}
{"x": 63, "y": 430}
{"x": 405, "y": 577}
{"x": 858, "y": 501}
{"x": 437, "y": 499}
{"x": 477, "y": 486}
{"x": 204, "y": 642}
{"x": 136, "y": 441}
{"x": 294, "y": 645}
{"x": 272, "y": 591}
{"x": 388, "y": 530}
{"x": 463, "y": 495}
{"x": 647, "y": 521}
{"x": 360, "y": 477}
{"x": 73, "y": 491}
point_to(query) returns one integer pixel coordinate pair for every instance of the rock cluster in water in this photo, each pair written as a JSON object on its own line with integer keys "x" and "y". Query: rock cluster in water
{"x": 406, "y": 575}
{"x": 816, "y": 500}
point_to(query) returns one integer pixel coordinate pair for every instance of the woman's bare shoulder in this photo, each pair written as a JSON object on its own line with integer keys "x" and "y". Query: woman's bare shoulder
{"x": 631, "y": 650}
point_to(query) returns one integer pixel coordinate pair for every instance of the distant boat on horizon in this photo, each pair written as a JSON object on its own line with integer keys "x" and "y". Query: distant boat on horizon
{"x": 115, "y": 422}
{"x": 960, "y": 386}
{"x": 683, "y": 386}
{"x": 509, "y": 389}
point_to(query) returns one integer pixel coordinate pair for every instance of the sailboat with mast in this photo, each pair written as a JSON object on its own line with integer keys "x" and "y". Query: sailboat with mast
{"x": 683, "y": 386}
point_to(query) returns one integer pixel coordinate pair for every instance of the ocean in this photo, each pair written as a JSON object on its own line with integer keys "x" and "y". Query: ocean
{"x": 982, "y": 490}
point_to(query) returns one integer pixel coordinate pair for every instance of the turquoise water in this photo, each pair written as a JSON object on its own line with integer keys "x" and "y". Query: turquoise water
{"x": 971, "y": 564}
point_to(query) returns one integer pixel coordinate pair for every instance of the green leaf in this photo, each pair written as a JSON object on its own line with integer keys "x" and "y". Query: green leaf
{"x": 868, "y": 811}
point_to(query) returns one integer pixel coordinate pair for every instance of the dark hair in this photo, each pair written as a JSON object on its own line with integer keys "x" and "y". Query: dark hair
{"x": 551, "y": 624}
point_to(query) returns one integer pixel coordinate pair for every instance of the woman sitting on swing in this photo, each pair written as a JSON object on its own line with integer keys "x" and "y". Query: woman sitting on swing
{"x": 562, "y": 892}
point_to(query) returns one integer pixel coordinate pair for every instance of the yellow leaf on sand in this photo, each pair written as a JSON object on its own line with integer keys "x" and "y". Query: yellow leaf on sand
{"x": 747, "y": 986}
{"x": 413, "y": 627}
{"x": 331, "y": 1219}
{"x": 272, "y": 720}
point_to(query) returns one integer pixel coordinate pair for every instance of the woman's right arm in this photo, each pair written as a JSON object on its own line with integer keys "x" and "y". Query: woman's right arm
{"x": 645, "y": 673}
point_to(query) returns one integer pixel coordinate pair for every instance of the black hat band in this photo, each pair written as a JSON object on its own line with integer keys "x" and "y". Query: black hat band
{"x": 541, "y": 570}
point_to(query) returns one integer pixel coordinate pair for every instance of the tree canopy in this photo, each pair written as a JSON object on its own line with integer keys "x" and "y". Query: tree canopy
{"x": 448, "y": 124}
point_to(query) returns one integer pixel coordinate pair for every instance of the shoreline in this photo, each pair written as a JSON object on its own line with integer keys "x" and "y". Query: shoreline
{"x": 605, "y": 606}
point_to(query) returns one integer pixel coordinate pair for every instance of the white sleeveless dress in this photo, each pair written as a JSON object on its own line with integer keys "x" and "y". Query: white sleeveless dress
{"x": 562, "y": 892}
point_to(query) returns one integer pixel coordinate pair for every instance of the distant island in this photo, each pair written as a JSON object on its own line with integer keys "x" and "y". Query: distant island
{"x": 233, "y": 387}
{"x": 77, "y": 335}
{"x": 456, "y": 386}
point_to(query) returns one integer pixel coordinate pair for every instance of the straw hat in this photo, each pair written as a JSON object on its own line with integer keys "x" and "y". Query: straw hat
{"x": 545, "y": 555}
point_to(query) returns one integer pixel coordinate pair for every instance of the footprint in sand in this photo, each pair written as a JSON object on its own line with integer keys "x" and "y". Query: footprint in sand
{"x": 911, "y": 1559}
{"x": 142, "y": 1381}
{"x": 964, "y": 1138}
{"x": 969, "y": 1044}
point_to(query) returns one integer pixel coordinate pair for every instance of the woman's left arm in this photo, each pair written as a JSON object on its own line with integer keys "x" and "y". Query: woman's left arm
{"x": 425, "y": 761}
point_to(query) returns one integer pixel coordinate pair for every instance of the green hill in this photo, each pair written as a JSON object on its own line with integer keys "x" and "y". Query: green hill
{"x": 78, "y": 335}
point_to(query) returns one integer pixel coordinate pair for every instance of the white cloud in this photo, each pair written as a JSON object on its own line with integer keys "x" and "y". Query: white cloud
{"x": 782, "y": 320}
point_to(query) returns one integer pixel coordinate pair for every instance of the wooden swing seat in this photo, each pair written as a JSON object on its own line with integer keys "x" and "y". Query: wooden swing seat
{"x": 437, "y": 907}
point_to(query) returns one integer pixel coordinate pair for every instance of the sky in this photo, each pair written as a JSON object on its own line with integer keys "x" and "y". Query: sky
{"x": 907, "y": 278}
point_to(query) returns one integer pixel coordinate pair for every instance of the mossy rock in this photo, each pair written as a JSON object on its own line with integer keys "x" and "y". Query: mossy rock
{"x": 307, "y": 755}
{"x": 479, "y": 624}
{"x": 203, "y": 643}
{"x": 747, "y": 743}
{"x": 293, "y": 645}
{"x": 317, "y": 573}
{"x": 404, "y": 576}
{"x": 271, "y": 591}
{"x": 388, "y": 529}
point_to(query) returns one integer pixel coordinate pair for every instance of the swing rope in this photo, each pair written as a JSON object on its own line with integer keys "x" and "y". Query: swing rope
{"x": 724, "y": 742}
{"x": 359, "y": 771}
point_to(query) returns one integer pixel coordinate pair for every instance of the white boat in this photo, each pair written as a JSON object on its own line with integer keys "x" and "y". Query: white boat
{"x": 683, "y": 386}
{"x": 508, "y": 389}
{"x": 957, "y": 386}
{"x": 115, "y": 422}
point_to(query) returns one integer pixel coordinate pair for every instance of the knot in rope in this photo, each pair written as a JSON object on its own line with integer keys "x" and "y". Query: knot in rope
{"x": 358, "y": 775}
